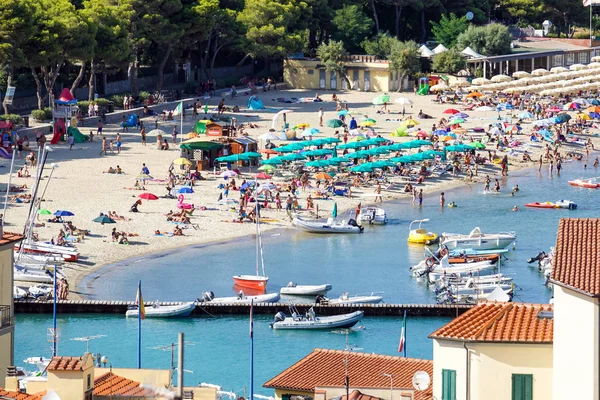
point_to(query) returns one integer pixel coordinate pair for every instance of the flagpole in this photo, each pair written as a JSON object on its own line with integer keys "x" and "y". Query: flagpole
{"x": 140, "y": 324}
{"x": 404, "y": 349}
{"x": 181, "y": 123}
{"x": 252, "y": 348}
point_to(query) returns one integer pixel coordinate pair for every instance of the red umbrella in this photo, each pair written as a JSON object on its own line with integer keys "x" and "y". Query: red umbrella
{"x": 422, "y": 134}
{"x": 451, "y": 111}
{"x": 262, "y": 175}
{"x": 148, "y": 196}
{"x": 267, "y": 151}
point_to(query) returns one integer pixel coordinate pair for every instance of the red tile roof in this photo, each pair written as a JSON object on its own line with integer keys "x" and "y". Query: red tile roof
{"x": 66, "y": 364}
{"x": 501, "y": 322}
{"x": 10, "y": 237}
{"x": 576, "y": 262}
{"x": 110, "y": 384}
{"x": 18, "y": 395}
{"x": 326, "y": 368}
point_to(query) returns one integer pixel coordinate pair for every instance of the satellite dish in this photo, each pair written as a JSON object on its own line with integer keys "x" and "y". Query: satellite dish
{"x": 421, "y": 380}
{"x": 469, "y": 16}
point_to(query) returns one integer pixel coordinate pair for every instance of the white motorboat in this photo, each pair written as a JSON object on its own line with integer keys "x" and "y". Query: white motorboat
{"x": 37, "y": 258}
{"x": 26, "y": 275}
{"x": 478, "y": 240}
{"x": 241, "y": 298}
{"x": 451, "y": 280}
{"x": 159, "y": 311}
{"x": 305, "y": 290}
{"x": 311, "y": 321}
{"x": 67, "y": 253}
{"x": 475, "y": 289}
{"x": 372, "y": 215}
{"x": 357, "y": 299}
{"x": 19, "y": 293}
{"x": 330, "y": 226}
{"x": 445, "y": 267}
{"x": 40, "y": 290}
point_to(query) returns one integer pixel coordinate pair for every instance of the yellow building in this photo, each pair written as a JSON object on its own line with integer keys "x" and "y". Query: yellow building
{"x": 576, "y": 279}
{"x": 495, "y": 351}
{"x": 364, "y": 73}
{"x": 7, "y": 329}
{"x": 321, "y": 375}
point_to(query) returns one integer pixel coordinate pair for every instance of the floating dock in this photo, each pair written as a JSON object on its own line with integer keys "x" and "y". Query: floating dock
{"x": 209, "y": 310}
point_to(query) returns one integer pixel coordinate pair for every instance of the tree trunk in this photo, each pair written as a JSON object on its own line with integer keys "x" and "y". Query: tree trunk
{"x": 78, "y": 80}
{"x": 401, "y": 83}
{"x": 92, "y": 81}
{"x": 397, "y": 22}
{"x": 161, "y": 68}
{"x": 132, "y": 72}
{"x": 38, "y": 89}
{"x": 375, "y": 16}
{"x": 50, "y": 76}
{"x": 204, "y": 59}
{"x": 8, "y": 83}
{"x": 423, "y": 27}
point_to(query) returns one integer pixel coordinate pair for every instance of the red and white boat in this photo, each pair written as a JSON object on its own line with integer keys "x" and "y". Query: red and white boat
{"x": 256, "y": 282}
{"x": 67, "y": 253}
{"x": 546, "y": 204}
{"x": 568, "y": 204}
{"x": 586, "y": 183}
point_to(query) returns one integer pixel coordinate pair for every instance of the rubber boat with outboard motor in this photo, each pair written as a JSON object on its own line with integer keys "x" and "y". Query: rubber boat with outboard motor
{"x": 310, "y": 321}
{"x": 330, "y": 226}
{"x": 304, "y": 290}
{"x": 372, "y": 215}
{"x": 420, "y": 235}
{"x": 241, "y": 298}
{"x": 159, "y": 311}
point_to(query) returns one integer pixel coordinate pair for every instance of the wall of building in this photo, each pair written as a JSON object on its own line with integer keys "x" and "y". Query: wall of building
{"x": 155, "y": 377}
{"x": 6, "y": 299}
{"x": 492, "y": 366}
{"x": 6, "y": 354}
{"x": 449, "y": 354}
{"x": 69, "y": 385}
{"x": 279, "y": 393}
{"x": 382, "y": 393}
{"x": 576, "y": 341}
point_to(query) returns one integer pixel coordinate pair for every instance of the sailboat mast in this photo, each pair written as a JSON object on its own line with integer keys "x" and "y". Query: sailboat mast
{"x": 257, "y": 236}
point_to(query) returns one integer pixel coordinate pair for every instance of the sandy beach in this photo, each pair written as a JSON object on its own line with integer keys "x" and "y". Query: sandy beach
{"x": 79, "y": 184}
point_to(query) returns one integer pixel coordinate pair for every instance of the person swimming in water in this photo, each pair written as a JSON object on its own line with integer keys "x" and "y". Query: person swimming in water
{"x": 515, "y": 208}
{"x": 515, "y": 189}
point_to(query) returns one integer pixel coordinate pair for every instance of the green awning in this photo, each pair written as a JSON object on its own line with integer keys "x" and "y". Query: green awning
{"x": 205, "y": 146}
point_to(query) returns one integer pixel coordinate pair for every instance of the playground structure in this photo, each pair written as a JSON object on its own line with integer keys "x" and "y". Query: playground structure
{"x": 426, "y": 82}
{"x": 64, "y": 115}
{"x": 6, "y": 128}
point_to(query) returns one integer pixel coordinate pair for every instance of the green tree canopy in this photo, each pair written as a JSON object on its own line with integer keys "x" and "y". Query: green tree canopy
{"x": 489, "y": 40}
{"x": 405, "y": 58}
{"x": 447, "y": 30}
{"x": 332, "y": 54}
{"x": 450, "y": 62}
{"x": 380, "y": 45}
{"x": 351, "y": 25}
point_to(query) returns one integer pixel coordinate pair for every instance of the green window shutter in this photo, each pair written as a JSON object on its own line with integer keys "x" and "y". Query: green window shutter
{"x": 453, "y": 387}
{"x": 522, "y": 387}
{"x": 528, "y": 383}
{"x": 448, "y": 384}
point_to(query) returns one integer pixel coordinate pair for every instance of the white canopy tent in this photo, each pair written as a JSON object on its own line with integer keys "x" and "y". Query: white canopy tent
{"x": 470, "y": 53}
{"x": 425, "y": 52}
{"x": 440, "y": 49}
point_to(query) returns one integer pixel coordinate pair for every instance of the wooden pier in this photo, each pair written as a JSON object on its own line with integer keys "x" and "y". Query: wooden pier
{"x": 208, "y": 310}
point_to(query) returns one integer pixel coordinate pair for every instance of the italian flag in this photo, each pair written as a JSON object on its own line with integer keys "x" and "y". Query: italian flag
{"x": 179, "y": 109}
{"x": 140, "y": 302}
{"x": 401, "y": 346}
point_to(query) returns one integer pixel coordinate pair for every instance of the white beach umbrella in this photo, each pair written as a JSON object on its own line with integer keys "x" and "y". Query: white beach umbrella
{"x": 540, "y": 72}
{"x": 501, "y": 78}
{"x": 480, "y": 81}
{"x": 557, "y": 70}
{"x": 596, "y": 59}
{"x": 439, "y": 88}
{"x": 403, "y": 101}
{"x": 521, "y": 74}
{"x": 577, "y": 67}
{"x": 484, "y": 109}
{"x": 460, "y": 84}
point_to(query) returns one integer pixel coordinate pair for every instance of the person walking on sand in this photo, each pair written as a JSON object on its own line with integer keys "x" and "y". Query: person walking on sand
{"x": 378, "y": 192}
{"x": 143, "y": 134}
{"x": 70, "y": 141}
{"x": 103, "y": 146}
{"x": 118, "y": 143}
{"x": 99, "y": 127}
{"x": 321, "y": 116}
{"x": 124, "y": 124}
{"x": 174, "y": 134}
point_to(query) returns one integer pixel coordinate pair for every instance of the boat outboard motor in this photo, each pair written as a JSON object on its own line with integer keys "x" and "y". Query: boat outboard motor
{"x": 539, "y": 257}
{"x": 208, "y": 296}
{"x": 279, "y": 317}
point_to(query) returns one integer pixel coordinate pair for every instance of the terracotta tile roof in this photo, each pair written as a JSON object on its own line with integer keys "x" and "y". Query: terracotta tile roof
{"x": 325, "y": 368}
{"x": 66, "y": 364}
{"x": 110, "y": 384}
{"x": 576, "y": 262}
{"x": 10, "y": 237}
{"x": 18, "y": 395}
{"x": 501, "y": 322}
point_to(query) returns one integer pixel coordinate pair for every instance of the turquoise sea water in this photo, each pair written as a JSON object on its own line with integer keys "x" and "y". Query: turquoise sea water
{"x": 377, "y": 260}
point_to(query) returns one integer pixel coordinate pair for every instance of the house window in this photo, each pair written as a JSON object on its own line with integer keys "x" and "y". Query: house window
{"x": 570, "y": 58}
{"x": 558, "y": 60}
{"x": 89, "y": 381}
{"x": 583, "y": 58}
{"x": 522, "y": 387}
{"x": 448, "y": 384}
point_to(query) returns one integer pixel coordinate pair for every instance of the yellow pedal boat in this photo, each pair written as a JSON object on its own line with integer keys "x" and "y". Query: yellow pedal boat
{"x": 421, "y": 236}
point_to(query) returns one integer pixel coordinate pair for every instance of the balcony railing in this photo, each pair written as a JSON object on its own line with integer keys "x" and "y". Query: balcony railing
{"x": 6, "y": 318}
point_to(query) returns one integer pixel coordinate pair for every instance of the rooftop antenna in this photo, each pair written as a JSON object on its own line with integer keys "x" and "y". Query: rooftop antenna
{"x": 87, "y": 339}
{"x": 171, "y": 347}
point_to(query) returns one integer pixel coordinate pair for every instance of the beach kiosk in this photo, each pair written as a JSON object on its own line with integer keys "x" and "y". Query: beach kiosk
{"x": 201, "y": 151}
{"x": 244, "y": 144}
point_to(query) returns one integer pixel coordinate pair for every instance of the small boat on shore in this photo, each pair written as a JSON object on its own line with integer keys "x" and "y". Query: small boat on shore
{"x": 26, "y": 275}
{"x": 420, "y": 235}
{"x": 311, "y": 322}
{"x": 372, "y": 215}
{"x": 159, "y": 311}
{"x": 48, "y": 249}
{"x": 40, "y": 291}
{"x": 568, "y": 204}
{"x": 330, "y": 226}
{"x": 19, "y": 293}
{"x": 304, "y": 290}
{"x": 478, "y": 240}
{"x": 585, "y": 183}
{"x": 241, "y": 298}
{"x": 345, "y": 298}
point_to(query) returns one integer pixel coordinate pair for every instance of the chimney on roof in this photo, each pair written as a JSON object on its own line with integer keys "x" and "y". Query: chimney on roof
{"x": 11, "y": 383}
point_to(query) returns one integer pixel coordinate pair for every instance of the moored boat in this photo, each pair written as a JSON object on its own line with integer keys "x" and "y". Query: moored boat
{"x": 330, "y": 226}
{"x": 585, "y": 183}
{"x": 255, "y": 282}
{"x": 345, "y": 298}
{"x": 420, "y": 235}
{"x": 311, "y": 322}
{"x": 372, "y": 215}
{"x": 559, "y": 204}
{"x": 19, "y": 293}
{"x": 305, "y": 290}
{"x": 26, "y": 275}
{"x": 67, "y": 253}
{"x": 160, "y": 311}
{"x": 241, "y": 298}
{"x": 478, "y": 240}
{"x": 40, "y": 290}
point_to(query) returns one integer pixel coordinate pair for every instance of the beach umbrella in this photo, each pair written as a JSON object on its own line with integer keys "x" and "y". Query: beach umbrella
{"x": 399, "y": 132}
{"x": 343, "y": 112}
{"x": 521, "y": 74}
{"x": 148, "y": 196}
{"x": 553, "y": 109}
{"x": 451, "y": 111}
{"x": 501, "y": 78}
{"x": 262, "y": 175}
{"x": 403, "y": 101}
{"x": 302, "y": 125}
{"x": 252, "y": 154}
{"x": 456, "y": 121}
{"x": 473, "y": 95}
{"x": 594, "y": 109}
{"x": 336, "y": 160}
{"x": 381, "y": 99}
{"x": 200, "y": 127}
{"x": 540, "y": 72}
{"x": 422, "y": 142}
{"x": 594, "y": 115}
{"x": 103, "y": 219}
{"x": 584, "y": 117}
{"x": 157, "y": 132}
{"x": 318, "y": 164}
{"x": 383, "y": 164}
{"x": 362, "y": 168}
{"x": 439, "y": 88}
{"x": 366, "y": 123}
{"x": 334, "y": 123}
{"x": 571, "y": 106}
{"x": 272, "y": 161}
{"x": 334, "y": 211}
{"x": 460, "y": 131}
{"x": 227, "y": 174}
{"x": 378, "y": 140}
{"x": 322, "y": 152}
{"x": 525, "y": 115}
{"x": 562, "y": 118}
{"x": 484, "y": 108}
{"x": 409, "y": 122}
{"x": 322, "y": 176}
{"x": 594, "y": 102}
{"x": 269, "y": 136}
{"x": 413, "y": 144}
{"x": 43, "y": 211}
{"x": 504, "y": 106}
{"x": 330, "y": 140}
{"x": 460, "y": 84}
{"x": 233, "y": 158}
{"x": 458, "y": 148}
{"x": 477, "y": 145}
{"x": 289, "y": 148}
{"x": 357, "y": 154}
{"x": 293, "y": 157}
{"x": 182, "y": 161}
{"x": 402, "y": 159}
{"x": 310, "y": 132}
{"x": 63, "y": 213}
{"x": 351, "y": 145}
{"x": 558, "y": 70}
{"x": 267, "y": 168}
{"x": 185, "y": 190}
